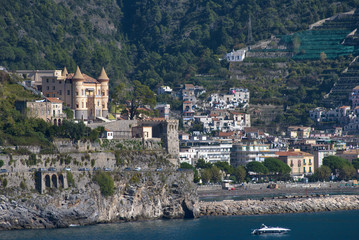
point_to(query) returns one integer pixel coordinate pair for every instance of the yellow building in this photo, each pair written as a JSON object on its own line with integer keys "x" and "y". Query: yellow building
{"x": 300, "y": 163}
{"x": 88, "y": 97}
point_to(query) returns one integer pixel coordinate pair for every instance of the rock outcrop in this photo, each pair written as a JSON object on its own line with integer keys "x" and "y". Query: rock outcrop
{"x": 138, "y": 196}
{"x": 277, "y": 206}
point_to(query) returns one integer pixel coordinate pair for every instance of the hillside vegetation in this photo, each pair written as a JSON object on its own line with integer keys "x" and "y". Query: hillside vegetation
{"x": 153, "y": 41}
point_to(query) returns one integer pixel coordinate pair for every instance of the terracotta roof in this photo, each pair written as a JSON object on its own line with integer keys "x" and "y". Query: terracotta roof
{"x": 356, "y": 88}
{"x": 187, "y": 102}
{"x": 225, "y": 134}
{"x": 251, "y": 129}
{"x": 293, "y": 153}
{"x": 213, "y": 115}
{"x": 236, "y": 113}
{"x": 54, "y": 100}
{"x": 188, "y": 86}
{"x": 86, "y": 78}
{"x": 344, "y": 107}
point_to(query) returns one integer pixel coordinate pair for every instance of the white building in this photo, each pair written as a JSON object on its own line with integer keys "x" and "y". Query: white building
{"x": 164, "y": 89}
{"x": 236, "y": 56}
{"x": 210, "y": 151}
{"x": 234, "y": 98}
{"x": 243, "y": 153}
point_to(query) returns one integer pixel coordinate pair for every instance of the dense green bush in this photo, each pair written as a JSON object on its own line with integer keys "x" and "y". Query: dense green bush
{"x": 106, "y": 183}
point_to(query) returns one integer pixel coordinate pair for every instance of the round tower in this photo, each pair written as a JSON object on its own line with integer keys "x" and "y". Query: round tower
{"x": 103, "y": 79}
{"x": 79, "y": 101}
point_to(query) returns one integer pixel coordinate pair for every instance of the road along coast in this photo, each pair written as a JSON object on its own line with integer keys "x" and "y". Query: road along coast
{"x": 278, "y": 205}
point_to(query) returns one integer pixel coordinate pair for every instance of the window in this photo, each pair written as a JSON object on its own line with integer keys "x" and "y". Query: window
{"x": 98, "y": 103}
{"x": 47, "y": 80}
{"x": 310, "y": 169}
{"x": 68, "y": 92}
{"x": 53, "y": 80}
{"x": 77, "y": 105}
{"x": 77, "y": 93}
{"x": 60, "y": 92}
{"x": 53, "y": 87}
{"x": 47, "y": 88}
{"x": 103, "y": 93}
{"x": 82, "y": 92}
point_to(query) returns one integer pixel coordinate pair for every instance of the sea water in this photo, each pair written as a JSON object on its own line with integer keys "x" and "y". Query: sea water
{"x": 336, "y": 225}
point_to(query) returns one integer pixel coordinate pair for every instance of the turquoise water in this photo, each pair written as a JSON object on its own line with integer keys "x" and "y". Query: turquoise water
{"x": 326, "y": 225}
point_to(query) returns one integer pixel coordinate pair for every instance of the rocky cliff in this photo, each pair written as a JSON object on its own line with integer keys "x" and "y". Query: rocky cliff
{"x": 138, "y": 195}
{"x": 277, "y": 206}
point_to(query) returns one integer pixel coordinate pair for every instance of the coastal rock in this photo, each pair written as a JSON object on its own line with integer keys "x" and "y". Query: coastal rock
{"x": 151, "y": 196}
{"x": 276, "y": 206}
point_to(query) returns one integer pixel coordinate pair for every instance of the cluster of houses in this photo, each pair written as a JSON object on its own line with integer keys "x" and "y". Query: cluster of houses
{"x": 302, "y": 148}
{"x": 218, "y": 127}
{"x": 346, "y": 116}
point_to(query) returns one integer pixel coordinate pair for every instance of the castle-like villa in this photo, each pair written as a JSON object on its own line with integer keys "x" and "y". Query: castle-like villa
{"x": 88, "y": 97}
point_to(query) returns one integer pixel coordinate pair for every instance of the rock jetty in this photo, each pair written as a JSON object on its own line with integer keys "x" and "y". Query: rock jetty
{"x": 295, "y": 204}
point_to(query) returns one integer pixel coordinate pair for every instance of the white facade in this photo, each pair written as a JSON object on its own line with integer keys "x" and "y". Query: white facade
{"x": 236, "y": 56}
{"x": 209, "y": 151}
{"x": 245, "y": 153}
{"x": 236, "y": 97}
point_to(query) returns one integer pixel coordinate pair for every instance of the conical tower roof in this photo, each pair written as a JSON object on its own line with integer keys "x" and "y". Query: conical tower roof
{"x": 78, "y": 75}
{"x": 103, "y": 75}
{"x": 64, "y": 72}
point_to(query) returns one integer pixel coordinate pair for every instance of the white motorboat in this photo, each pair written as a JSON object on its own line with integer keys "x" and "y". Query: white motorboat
{"x": 264, "y": 229}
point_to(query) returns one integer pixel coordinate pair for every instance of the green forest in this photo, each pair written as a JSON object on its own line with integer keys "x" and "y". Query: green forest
{"x": 157, "y": 42}
{"x": 153, "y": 41}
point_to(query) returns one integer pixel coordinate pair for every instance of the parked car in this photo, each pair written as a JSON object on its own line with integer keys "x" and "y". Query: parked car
{"x": 67, "y": 169}
{"x": 96, "y": 169}
{"x": 52, "y": 169}
{"x": 137, "y": 169}
{"x": 127, "y": 169}
{"x": 42, "y": 170}
{"x": 107, "y": 169}
{"x": 84, "y": 169}
{"x": 158, "y": 169}
{"x": 32, "y": 170}
{"x": 3, "y": 170}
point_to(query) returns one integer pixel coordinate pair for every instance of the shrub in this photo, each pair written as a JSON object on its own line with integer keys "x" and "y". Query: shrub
{"x": 70, "y": 179}
{"x": 106, "y": 183}
{"x": 1, "y": 163}
{"x": 4, "y": 183}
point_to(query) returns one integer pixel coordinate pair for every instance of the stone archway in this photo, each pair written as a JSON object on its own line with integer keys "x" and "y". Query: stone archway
{"x": 61, "y": 180}
{"x": 55, "y": 121}
{"x": 54, "y": 180}
{"x": 47, "y": 181}
{"x": 59, "y": 122}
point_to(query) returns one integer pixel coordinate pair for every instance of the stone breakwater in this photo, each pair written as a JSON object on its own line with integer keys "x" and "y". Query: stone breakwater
{"x": 279, "y": 206}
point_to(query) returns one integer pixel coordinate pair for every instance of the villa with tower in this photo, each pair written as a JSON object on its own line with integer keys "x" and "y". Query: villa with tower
{"x": 88, "y": 97}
